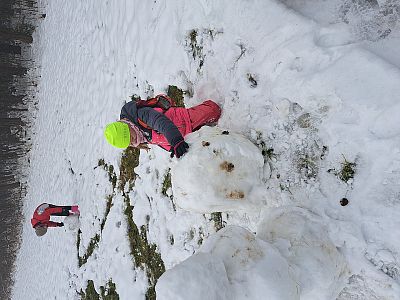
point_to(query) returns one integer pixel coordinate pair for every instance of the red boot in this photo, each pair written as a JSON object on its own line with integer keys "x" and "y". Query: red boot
{"x": 75, "y": 210}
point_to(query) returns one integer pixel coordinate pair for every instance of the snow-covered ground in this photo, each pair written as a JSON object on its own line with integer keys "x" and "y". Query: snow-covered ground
{"x": 314, "y": 84}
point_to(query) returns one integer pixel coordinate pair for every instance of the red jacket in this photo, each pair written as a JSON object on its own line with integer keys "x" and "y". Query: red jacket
{"x": 42, "y": 214}
{"x": 180, "y": 117}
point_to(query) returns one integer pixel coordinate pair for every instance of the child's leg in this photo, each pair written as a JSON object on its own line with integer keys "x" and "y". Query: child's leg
{"x": 205, "y": 113}
{"x": 55, "y": 210}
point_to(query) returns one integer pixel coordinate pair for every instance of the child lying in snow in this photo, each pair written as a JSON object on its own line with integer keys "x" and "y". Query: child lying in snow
{"x": 41, "y": 217}
{"x": 142, "y": 125}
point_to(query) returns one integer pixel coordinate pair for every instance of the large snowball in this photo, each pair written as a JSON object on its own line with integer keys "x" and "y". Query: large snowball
{"x": 72, "y": 223}
{"x": 200, "y": 277}
{"x": 219, "y": 173}
{"x": 254, "y": 268}
{"x": 303, "y": 241}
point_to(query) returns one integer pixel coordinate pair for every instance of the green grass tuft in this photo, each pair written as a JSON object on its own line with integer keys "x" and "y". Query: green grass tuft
{"x": 129, "y": 161}
{"x": 176, "y": 94}
{"x": 108, "y": 292}
{"x": 346, "y": 172}
{"x": 166, "y": 185}
{"x": 90, "y": 292}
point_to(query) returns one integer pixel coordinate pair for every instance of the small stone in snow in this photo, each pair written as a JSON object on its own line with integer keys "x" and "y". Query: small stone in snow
{"x": 344, "y": 202}
{"x": 227, "y": 166}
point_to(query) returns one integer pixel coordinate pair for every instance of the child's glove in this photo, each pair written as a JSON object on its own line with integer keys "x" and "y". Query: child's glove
{"x": 61, "y": 224}
{"x": 179, "y": 149}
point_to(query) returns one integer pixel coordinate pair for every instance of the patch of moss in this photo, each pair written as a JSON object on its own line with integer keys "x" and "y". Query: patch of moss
{"x": 109, "y": 204}
{"x": 107, "y": 292}
{"x": 145, "y": 255}
{"x": 176, "y": 94}
{"x": 346, "y": 172}
{"x": 195, "y": 47}
{"x": 112, "y": 177}
{"x": 166, "y": 185}
{"x": 129, "y": 161}
{"x": 94, "y": 242}
{"x": 90, "y": 292}
{"x": 101, "y": 162}
{"x": 135, "y": 97}
{"x": 218, "y": 222}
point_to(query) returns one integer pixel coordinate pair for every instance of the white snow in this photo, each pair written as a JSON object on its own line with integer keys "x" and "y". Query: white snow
{"x": 238, "y": 266}
{"x": 302, "y": 240}
{"x": 312, "y": 84}
{"x": 72, "y": 223}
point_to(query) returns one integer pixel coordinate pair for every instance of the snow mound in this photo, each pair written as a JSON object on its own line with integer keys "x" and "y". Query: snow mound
{"x": 72, "y": 223}
{"x": 232, "y": 264}
{"x": 386, "y": 124}
{"x": 202, "y": 276}
{"x": 219, "y": 173}
{"x": 303, "y": 241}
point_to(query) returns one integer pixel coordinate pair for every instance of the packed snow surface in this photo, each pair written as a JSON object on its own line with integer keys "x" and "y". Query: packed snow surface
{"x": 314, "y": 85}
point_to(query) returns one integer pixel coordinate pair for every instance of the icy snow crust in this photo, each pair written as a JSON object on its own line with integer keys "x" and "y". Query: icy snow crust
{"x": 309, "y": 94}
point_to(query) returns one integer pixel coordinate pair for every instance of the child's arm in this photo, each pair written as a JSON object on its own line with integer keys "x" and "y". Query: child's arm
{"x": 54, "y": 224}
{"x": 160, "y": 123}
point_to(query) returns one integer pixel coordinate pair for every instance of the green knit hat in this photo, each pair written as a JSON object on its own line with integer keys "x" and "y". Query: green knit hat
{"x": 117, "y": 134}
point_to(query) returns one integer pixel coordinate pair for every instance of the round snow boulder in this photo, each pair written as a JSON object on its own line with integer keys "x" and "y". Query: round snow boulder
{"x": 255, "y": 268}
{"x": 72, "y": 222}
{"x": 304, "y": 242}
{"x": 218, "y": 173}
{"x": 201, "y": 276}
{"x": 231, "y": 264}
